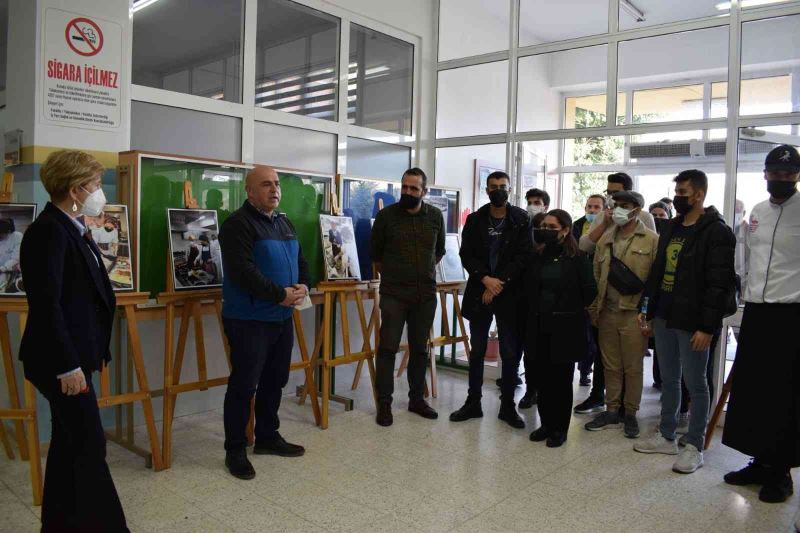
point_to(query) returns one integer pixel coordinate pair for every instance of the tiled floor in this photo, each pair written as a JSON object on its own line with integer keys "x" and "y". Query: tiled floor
{"x": 418, "y": 475}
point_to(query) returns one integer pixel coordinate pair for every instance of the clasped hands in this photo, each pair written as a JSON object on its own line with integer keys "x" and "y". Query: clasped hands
{"x": 294, "y": 295}
{"x": 493, "y": 287}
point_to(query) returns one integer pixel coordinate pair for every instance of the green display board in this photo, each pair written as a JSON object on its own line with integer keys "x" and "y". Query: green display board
{"x": 221, "y": 188}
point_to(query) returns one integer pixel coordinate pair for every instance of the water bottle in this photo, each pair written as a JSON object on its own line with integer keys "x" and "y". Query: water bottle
{"x": 645, "y": 324}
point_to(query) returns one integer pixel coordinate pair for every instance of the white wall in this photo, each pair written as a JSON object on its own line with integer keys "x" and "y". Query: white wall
{"x": 455, "y": 167}
{"x": 473, "y": 100}
{"x": 473, "y": 27}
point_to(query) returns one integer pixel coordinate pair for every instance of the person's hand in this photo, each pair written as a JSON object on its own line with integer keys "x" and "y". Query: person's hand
{"x": 608, "y": 217}
{"x": 74, "y": 383}
{"x": 301, "y": 288}
{"x": 493, "y": 285}
{"x": 701, "y": 341}
{"x": 644, "y": 325}
{"x": 487, "y": 297}
{"x": 293, "y": 297}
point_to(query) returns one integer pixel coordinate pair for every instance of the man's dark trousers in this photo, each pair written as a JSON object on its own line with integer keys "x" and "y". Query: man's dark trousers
{"x": 261, "y": 353}
{"x": 395, "y": 314}
{"x": 510, "y": 353}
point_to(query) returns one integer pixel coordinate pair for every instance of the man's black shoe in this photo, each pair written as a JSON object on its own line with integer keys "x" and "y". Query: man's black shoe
{"x": 470, "y": 409}
{"x": 499, "y": 381}
{"x": 528, "y": 400}
{"x": 556, "y": 439}
{"x": 776, "y": 491}
{"x": 422, "y": 408}
{"x": 590, "y": 405}
{"x": 752, "y": 474}
{"x": 384, "y": 417}
{"x": 239, "y": 466}
{"x": 540, "y": 434}
{"x": 278, "y": 446}
{"x": 508, "y": 414}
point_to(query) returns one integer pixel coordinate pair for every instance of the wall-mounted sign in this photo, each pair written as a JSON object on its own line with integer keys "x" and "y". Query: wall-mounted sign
{"x": 82, "y": 68}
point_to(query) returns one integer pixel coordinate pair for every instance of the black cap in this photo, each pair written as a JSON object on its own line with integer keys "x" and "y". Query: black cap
{"x": 783, "y": 158}
{"x": 628, "y": 196}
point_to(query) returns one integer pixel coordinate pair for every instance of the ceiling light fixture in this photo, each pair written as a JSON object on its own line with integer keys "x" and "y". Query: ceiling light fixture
{"x": 726, "y": 6}
{"x": 141, "y": 4}
{"x": 632, "y": 10}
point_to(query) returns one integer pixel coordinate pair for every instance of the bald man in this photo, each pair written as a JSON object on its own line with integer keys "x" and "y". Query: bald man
{"x": 265, "y": 277}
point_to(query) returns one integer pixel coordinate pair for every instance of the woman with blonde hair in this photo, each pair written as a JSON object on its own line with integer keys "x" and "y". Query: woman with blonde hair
{"x": 71, "y": 309}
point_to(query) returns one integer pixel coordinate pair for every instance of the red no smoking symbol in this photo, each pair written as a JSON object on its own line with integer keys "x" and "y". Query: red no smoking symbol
{"x": 84, "y": 36}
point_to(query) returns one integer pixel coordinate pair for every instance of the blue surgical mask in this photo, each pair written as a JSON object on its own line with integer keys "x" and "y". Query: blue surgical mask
{"x": 591, "y": 217}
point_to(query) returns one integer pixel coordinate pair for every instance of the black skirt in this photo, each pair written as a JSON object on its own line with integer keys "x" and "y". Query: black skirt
{"x": 763, "y": 418}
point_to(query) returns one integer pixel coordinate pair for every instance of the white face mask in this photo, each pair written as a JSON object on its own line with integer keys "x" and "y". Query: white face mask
{"x": 93, "y": 205}
{"x": 534, "y": 210}
{"x": 621, "y": 216}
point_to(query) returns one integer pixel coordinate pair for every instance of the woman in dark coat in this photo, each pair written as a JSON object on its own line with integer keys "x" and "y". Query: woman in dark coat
{"x": 71, "y": 308}
{"x": 559, "y": 286}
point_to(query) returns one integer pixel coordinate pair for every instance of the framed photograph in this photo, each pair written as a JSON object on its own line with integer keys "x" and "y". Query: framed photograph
{"x": 194, "y": 248}
{"x": 339, "y": 248}
{"x": 482, "y": 171}
{"x": 450, "y": 265}
{"x": 14, "y": 221}
{"x": 111, "y": 233}
{"x": 448, "y": 201}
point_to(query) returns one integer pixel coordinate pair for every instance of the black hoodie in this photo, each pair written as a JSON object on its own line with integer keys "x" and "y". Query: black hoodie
{"x": 705, "y": 278}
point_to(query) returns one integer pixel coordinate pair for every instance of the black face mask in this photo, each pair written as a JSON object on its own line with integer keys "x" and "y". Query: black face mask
{"x": 781, "y": 190}
{"x": 498, "y": 197}
{"x": 109, "y": 229}
{"x": 545, "y": 236}
{"x": 681, "y": 204}
{"x": 408, "y": 201}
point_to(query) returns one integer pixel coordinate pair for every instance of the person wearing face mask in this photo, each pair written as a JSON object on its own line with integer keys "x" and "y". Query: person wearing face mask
{"x": 594, "y": 207}
{"x": 622, "y": 262}
{"x": 71, "y": 311}
{"x": 559, "y": 286}
{"x": 691, "y": 288}
{"x": 538, "y": 202}
{"x": 495, "y": 244}
{"x": 763, "y": 418}
{"x": 406, "y": 244}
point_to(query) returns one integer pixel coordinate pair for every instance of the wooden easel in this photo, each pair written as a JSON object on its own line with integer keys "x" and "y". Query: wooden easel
{"x": 24, "y": 417}
{"x": 446, "y": 339}
{"x": 714, "y": 420}
{"x": 341, "y": 292}
{"x": 127, "y": 302}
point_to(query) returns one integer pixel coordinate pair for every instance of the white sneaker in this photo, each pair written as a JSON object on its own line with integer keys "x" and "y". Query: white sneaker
{"x": 689, "y": 460}
{"x": 683, "y": 424}
{"x": 657, "y": 444}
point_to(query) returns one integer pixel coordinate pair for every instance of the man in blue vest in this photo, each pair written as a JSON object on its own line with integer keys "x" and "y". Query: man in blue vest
{"x": 265, "y": 276}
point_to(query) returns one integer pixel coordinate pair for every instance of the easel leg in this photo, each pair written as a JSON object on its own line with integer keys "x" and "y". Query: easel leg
{"x": 6, "y": 441}
{"x": 309, "y": 386}
{"x": 723, "y": 398}
{"x": 434, "y": 388}
{"x": 141, "y": 377}
{"x": 32, "y": 430}
{"x": 327, "y": 350}
{"x": 250, "y": 431}
{"x": 166, "y": 428}
{"x": 457, "y": 307}
{"x": 11, "y": 379}
{"x": 200, "y": 343}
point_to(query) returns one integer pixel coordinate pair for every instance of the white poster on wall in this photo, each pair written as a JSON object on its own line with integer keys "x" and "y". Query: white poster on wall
{"x": 82, "y": 63}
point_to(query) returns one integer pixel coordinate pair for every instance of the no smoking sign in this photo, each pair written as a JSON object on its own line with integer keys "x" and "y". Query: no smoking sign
{"x": 84, "y": 36}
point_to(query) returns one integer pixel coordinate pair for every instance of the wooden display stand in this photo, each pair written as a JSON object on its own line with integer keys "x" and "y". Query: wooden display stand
{"x": 714, "y": 420}
{"x": 341, "y": 292}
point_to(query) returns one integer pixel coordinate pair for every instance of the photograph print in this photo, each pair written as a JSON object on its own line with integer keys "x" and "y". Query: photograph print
{"x": 451, "y": 268}
{"x": 339, "y": 248}
{"x": 14, "y": 220}
{"x": 110, "y": 232}
{"x": 194, "y": 248}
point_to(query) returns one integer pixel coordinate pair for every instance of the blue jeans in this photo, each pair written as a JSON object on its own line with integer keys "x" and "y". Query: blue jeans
{"x": 509, "y": 353}
{"x": 676, "y": 358}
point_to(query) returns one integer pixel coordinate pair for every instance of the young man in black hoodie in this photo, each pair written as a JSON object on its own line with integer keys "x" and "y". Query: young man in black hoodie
{"x": 690, "y": 289}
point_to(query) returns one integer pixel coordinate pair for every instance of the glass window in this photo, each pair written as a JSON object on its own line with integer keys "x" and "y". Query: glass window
{"x": 376, "y": 159}
{"x": 473, "y": 100}
{"x": 296, "y": 49}
{"x": 472, "y": 27}
{"x": 460, "y": 167}
{"x": 545, "y": 21}
{"x": 276, "y": 145}
{"x": 381, "y": 79}
{"x": 539, "y": 159}
{"x": 643, "y": 13}
{"x": 770, "y": 94}
{"x": 579, "y": 184}
{"x": 590, "y": 111}
{"x": 770, "y": 49}
{"x": 189, "y": 49}
{"x": 666, "y": 73}
{"x": 544, "y": 79}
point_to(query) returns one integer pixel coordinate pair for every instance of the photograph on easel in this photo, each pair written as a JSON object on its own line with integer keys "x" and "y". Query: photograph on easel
{"x": 339, "y": 248}
{"x": 14, "y": 220}
{"x": 450, "y": 265}
{"x": 194, "y": 248}
{"x": 110, "y": 232}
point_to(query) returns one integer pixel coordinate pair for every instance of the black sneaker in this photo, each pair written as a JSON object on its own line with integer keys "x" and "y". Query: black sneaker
{"x": 776, "y": 491}
{"x": 470, "y": 409}
{"x": 752, "y": 474}
{"x": 384, "y": 417}
{"x": 508, "y": 414}
{"x": 631, "y": 427}
{"x": 591, "y": 405}
{"x": 239, "y": 466}
{"x": 605, "y": 420}
{"x": 422, "y": 408}
{"x": 585, "y": 380}
{"x": 540, "y": 434}
{"x": 528, "y": 400}
{"x": 556, "y": 439}
{"x": 278, "y": 446}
